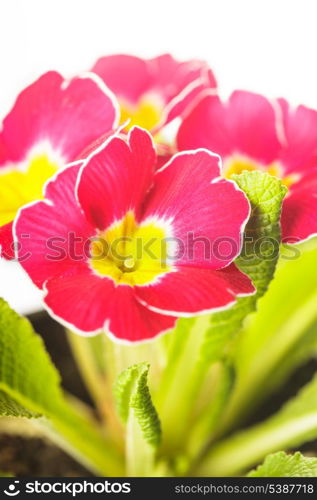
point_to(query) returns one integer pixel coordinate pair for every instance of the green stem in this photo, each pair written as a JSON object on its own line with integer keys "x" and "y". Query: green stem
{"x": 236, "y": 455}
{"x": 88, "y": 365}
{"x": 181, "y": 382}
{"x": 207, "y": 422}
{"x": 246, "y": 393}
{"x": 92, "y": 355}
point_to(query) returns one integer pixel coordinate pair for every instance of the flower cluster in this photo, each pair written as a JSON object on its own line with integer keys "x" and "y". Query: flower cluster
{"x": 111, "y": 214}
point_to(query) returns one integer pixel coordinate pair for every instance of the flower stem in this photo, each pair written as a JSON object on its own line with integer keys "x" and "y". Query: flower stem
{"x": 246, "y": 393}
{"x": 89, "y": 367}
{"x": 237, "y": 454}
{"x": 181, "y": 382}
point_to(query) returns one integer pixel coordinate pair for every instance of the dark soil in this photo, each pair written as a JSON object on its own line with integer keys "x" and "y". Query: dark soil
{"x": 36, "y": 458}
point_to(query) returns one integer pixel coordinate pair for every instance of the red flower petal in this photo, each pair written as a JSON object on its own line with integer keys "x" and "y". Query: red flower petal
{"x": 189, "y": 291}
{"x": 300, "y": 129}
{"x": 131, "y": 321}
{"x": 116, "y": 178}
{"x": 6, "y": 242}
{"x": 175, "y": 83}
{"x": 299, "y": 212}
{"x": 246, "y": 124}
{"x": 89, "y": 304}
{"x": 45, "y": 230}
{"x": 69, "y": 115}
{"x": 207, "y": 214}
{"x": 81, "y": 300}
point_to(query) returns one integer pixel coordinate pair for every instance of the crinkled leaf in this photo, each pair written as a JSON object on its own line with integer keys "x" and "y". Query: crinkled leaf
{"x": 135, "y": 407}
{"x": 282, "y": 465}
{"x": 30, "y": 386}
{"x": 10, "y": 408}
{"x": 133, "y": 397}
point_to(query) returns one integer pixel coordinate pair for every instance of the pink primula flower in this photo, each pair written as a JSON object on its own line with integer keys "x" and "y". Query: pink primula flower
{"x": 51, "y": 123}
{"x": 152, "y": 92}
{"x": 117, "y": 246}
{"x": 249, "y": 133}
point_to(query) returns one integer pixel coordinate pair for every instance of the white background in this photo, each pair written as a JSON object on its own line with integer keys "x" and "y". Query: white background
{"x": 269, "y": 46}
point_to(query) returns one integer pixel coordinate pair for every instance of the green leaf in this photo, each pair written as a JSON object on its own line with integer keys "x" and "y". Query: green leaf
{"x": 280, "y": 336}
{"x": 293, "y": 425}
{"x": 135, "y": 407}
{"x": 25, "y": 365}
{"x": 258, "y": 258}
{"x": 10, "y": 408}
{"x": 282, "y": 465}
{"x": 30, "y": 386}
{"x": 133, "y": 396}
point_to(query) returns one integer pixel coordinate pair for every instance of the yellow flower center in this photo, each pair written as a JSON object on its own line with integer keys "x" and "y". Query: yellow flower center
{"x": 131, "y": 253}
{"x": 19, "y": 187}
{"x": 237, "y": 164}
{"x": 146, "y": 113}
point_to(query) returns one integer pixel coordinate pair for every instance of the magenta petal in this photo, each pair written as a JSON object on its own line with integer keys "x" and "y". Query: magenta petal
{"x": 189, "y": 291}
{"x": 89, "y": 304}
{"x": 299, "y": 211}
{"x": 175, "y": 84}
{"x": 116, "y": 178}
{"x": 131, "y": 321}
{"x": 299, "y": 154}
{"x": 207, "y": 214}
{"x": 69, "y": 115}
{"x": 6, "y": 241}
{"x": 81, "y": 301}
{"x": 246, "y": 124}
{"x": 127, "y": 76}
{"x": 46, "y": 229}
